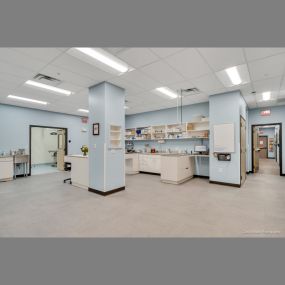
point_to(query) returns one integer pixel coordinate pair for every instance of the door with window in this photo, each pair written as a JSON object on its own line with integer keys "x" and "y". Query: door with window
{"x": 263, "y": 146}
{"x": 61, "y": 136}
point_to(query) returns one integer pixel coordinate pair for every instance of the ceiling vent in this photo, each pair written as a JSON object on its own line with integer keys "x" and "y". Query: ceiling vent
{"x": 45, "y": 79}
{"x": 190, "y": 91}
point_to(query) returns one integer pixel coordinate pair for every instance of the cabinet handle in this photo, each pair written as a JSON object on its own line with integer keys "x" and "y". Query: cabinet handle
{"x": 187, "y": 168}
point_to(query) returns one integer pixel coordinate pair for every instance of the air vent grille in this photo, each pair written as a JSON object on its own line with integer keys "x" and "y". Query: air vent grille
{"x": 45, "y": 79}
{"x": 190, "y": 91}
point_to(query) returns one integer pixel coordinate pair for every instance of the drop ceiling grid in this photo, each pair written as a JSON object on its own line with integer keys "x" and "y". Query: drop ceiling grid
{"x": 138, "y": 83}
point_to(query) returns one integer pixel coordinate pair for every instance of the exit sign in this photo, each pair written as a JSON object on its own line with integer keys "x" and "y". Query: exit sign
{"x": 266, "y": 112}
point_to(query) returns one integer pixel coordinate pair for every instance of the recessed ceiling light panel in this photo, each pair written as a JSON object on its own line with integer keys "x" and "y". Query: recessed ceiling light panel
{"x": 266, "y": 96}
{"x": 166, "y": 92}
{"x": 101, "y": 59}
{"x": 48, "y": 87}
{"x": 18, "y": 98}
{"x": 83, "y": 110}
{"x": 234, "y": 76}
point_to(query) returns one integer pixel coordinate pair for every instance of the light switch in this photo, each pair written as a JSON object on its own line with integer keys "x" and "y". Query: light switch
{"x": 94, "y": 145}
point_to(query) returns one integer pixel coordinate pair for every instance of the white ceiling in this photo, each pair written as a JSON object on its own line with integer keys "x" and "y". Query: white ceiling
{"x": 154, "y": 67}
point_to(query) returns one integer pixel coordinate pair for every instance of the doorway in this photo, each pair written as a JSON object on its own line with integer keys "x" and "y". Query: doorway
{"x": 267, "y": 148}
{"x": 48, "y": 146}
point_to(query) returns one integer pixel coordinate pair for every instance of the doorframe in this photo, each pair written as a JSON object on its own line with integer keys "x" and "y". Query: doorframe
{"x": 30, "y": 141}
{"x": 280, "y": 144}
{"x": 241, "y": 117}
{"x": 265, "y": 136}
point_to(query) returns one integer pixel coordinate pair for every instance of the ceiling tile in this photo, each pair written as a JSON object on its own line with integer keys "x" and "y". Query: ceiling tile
{"x": 15, "y": 70}
{"x": 130, "y": 88}
{"x": 189, "y": 63}
{"x": 80, "y": 67}
{"x": 222, "y": 58}
{"x": 258, "y": 53}
{"x": 43, "y": 54}
{"x": 162, "y": 73}
{"x": 10, "y": 56}
{"x": 165, "y": 52}
{"x": 140, "y": 79}
{"x": 208, "y": 83}
{"x": 282, "y": 87}
{"x": 137, "y": 57}
{"x": 270, "y": 84}
{"x": 15, "y": 80}
{"x": 68, "y": 76}
{"x": 269, "y": 67}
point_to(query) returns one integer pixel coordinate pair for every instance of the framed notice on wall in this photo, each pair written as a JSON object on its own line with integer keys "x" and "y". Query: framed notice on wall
{"x": 96, "y": 129}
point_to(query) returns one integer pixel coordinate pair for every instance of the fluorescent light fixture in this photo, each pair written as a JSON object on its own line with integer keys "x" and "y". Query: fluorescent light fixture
{"x": 266, "y": 96}
{"x": 27, "y": 100}
{"x": 48, "y": 87}
{"x": 167, "y": 91}
{"x": 234, "y": 75}
{"x": 83, "y": 110}
{"x": 101, "y": 59}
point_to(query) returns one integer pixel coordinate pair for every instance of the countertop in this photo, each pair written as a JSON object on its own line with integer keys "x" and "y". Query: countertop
{"x": 78, "y": 155}
{"x": 172, "y": 154}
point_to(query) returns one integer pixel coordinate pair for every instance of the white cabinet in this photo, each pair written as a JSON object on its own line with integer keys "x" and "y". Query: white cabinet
{"x": 149, "y": 163}
{"x": 79, "y": 170}
{"x": 176, "y": 169}
{"x": 6, "y": 168}
{"x": 132, "y": 163}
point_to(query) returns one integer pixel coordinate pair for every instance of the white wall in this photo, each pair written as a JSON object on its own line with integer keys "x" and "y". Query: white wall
{"x": 42, "y": 143}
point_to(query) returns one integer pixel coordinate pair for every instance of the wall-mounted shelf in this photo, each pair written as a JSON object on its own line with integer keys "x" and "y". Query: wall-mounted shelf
{"x": 115, "y": 137}
{"x": 189, "y": 130}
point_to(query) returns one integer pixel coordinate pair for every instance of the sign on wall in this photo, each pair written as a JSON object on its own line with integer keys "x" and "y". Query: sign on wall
{"x": 266, "y": 112}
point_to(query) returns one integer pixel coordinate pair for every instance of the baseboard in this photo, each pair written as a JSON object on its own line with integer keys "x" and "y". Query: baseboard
{"x": 145, "y": 172}
{"x": 225, "y": 184}
{"x": 202, "y": 176}
{"x": 107, "y": 192}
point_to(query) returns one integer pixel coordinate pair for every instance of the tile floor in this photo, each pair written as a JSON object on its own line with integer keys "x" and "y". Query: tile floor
{"x": 42, "y": 206}
{"x": 38, "y": 169}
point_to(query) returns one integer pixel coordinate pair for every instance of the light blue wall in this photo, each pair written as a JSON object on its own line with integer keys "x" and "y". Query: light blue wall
{"x": 277, "y": 116}
{"x": 166, "y": 116}
{"x": 15, "y": 121}
{"x": 106, "y": 166}
{"x": 226, "y": 108}
{"x": 270, "y": 133}
{"x": 169, "y": 116}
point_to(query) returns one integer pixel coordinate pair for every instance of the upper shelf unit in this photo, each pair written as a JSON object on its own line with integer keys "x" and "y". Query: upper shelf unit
{"x": 198, "y": 129}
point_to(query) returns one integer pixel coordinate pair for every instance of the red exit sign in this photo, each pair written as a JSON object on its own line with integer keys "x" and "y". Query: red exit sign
{"x": 266, "y": 112}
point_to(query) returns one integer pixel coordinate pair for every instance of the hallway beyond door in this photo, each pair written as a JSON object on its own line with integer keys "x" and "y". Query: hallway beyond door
{"x": 268, "y": 166}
